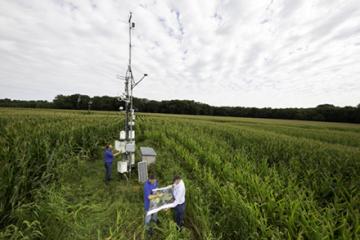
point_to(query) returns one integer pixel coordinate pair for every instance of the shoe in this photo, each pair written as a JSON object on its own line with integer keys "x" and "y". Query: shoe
{"x": 150, "y": 232}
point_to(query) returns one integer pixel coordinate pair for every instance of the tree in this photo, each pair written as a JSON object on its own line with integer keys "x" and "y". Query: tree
{"x": 323, "y": 112}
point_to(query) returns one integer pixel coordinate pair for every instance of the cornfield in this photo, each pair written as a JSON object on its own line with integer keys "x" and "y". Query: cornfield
{"x": 245, "y": 178}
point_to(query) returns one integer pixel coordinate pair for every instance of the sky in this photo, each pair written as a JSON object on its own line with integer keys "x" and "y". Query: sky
{"x": 258, "y": 53}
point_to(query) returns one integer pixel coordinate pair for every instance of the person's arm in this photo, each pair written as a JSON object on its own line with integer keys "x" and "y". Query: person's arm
{"x": 152, "y": 194}
{"x": 170, "y": 186}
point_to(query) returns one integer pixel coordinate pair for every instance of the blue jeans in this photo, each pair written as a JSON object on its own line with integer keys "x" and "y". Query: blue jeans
{"x": 179, "y": 214}
{"x": 108, "y": 171}
{"x": 148, "y": 218}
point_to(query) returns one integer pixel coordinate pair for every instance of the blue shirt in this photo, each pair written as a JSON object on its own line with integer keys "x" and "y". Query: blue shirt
{"x": 108, "y": 156}
{"x": 148, "y": 187}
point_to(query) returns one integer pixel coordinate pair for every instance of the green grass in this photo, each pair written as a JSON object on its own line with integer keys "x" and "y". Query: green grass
{"x": 245, "y": 178}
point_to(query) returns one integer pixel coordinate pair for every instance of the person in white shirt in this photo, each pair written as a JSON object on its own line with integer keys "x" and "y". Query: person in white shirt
{"x": 179, "y": 203}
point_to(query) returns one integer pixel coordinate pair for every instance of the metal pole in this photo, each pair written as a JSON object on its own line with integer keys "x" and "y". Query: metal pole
{"x": 129, "y": 97}
{"x": 130, "y": 84}
{"x": 131, "y": 25}
{"x": 128, "y": 77}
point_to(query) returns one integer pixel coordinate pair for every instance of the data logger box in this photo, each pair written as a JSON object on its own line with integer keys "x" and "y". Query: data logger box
{"x": 130, "y": 147}
{"x": 120, "y": 146}
{"x": 122, "y": 135}
{"x": 122, "y": 166}
{"x": 132, "y": 135}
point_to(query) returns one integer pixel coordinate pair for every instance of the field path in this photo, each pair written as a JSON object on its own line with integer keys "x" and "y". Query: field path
{"x": 96, "y": 210}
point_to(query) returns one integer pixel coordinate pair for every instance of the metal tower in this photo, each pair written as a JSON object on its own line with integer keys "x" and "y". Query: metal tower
{"x": 130, "y": 84}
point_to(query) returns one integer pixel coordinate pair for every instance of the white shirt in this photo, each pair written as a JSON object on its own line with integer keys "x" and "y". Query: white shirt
{"x": 179, "y": 193}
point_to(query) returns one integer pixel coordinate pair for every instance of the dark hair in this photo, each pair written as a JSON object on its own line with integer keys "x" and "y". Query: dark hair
{"x": 107, "y": 146}
{"x": 176, "y": 177}
{"x": 152, "y": 176}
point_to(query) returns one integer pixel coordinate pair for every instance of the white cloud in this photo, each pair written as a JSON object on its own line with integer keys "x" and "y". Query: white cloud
{"x": 226, "y": 52}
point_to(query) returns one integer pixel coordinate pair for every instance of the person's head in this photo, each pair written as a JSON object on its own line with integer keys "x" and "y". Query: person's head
{"x": 176, "y": 179}
{"x": 152, "y": 178}
{"x": 108, "y": 146}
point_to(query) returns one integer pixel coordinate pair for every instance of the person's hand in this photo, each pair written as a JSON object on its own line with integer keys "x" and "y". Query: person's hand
{"x": 153, "y": 196}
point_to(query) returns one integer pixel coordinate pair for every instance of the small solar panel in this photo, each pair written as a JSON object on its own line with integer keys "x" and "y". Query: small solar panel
{"x": 147, "y": 151}
{"x": 142, "y": 171}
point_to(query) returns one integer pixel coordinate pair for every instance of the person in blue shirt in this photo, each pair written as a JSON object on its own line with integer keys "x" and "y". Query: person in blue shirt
{"x": 149, "y": 185}
{"x": 108, "y": 158}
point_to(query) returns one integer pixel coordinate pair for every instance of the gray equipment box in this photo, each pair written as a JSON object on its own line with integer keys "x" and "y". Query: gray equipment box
{"x": 148, "y": 155}
{"x": 130, "y": 147}
{"x": 142, "y": 171}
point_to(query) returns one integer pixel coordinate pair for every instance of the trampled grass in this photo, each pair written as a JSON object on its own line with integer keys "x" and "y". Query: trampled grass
{"x": 245, "y": 178}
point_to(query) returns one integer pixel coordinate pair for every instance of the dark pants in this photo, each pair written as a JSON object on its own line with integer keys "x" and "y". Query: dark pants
{"x": 107, "y": 171}
{"x": 179, "y": 214}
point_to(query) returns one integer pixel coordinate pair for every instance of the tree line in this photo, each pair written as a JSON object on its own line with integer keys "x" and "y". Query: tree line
{"x": 324, "y": 112}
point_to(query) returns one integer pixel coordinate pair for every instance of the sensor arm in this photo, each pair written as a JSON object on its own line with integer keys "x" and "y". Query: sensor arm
{"x": 140, "y": 80}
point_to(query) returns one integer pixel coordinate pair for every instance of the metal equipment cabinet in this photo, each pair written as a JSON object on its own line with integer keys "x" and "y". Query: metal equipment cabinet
{"x": 148, "y": 155}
